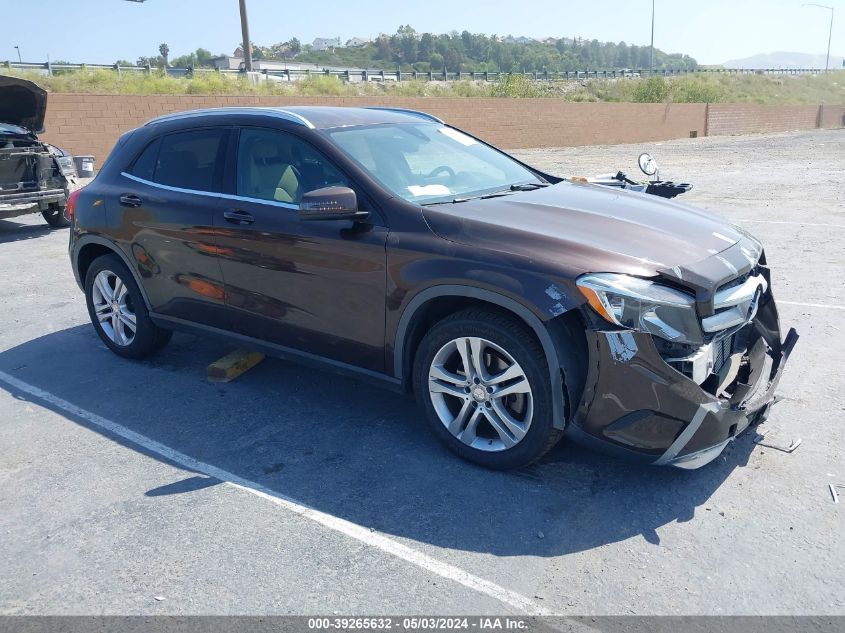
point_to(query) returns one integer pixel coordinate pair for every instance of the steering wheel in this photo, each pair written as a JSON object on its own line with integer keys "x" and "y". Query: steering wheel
{"x": 440, "y": 169}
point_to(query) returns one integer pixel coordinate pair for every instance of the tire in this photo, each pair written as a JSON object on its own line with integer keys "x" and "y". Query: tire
{"x": 54, "y": 216}
{"x": 502, "y": 417}
{"x": 105, "y": 275}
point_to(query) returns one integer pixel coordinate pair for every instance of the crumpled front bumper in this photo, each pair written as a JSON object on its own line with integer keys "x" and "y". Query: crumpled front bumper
{"x": 13, "y": 204}
{"x": 636, "y": 405}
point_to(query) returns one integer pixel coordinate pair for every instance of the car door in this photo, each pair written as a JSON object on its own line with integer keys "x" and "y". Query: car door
{"x": 168, "y": 199}
{"x": 314, "y": 286}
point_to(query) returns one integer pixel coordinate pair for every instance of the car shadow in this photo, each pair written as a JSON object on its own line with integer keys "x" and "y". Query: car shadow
{"x": 16, "y": 231}
{"x": 357, "y": 452}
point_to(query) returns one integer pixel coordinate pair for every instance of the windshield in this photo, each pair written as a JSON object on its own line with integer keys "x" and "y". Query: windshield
{"x": 428, "y": 163}
{"x": 8, "y": 128}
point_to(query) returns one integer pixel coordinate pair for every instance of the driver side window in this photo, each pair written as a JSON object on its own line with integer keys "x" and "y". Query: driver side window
{"x": 280, "y": 167}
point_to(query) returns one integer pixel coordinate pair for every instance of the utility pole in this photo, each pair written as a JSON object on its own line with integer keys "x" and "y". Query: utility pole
{"x": 830, "y": 35}
{"x": 18, "y": 48}
{"x": 652, "y": 37}
{"x": 245, "y": 31}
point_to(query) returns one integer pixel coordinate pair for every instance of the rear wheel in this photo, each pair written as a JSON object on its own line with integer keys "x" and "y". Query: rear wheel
{"x": 54, "y": 216}
{"x": 484, "y": 383}
{"x": 118, "y": 312}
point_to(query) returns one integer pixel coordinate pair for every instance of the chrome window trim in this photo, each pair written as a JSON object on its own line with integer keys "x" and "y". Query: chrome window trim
{"x": 277, "y": 112}
{"x": 211, "y": 194}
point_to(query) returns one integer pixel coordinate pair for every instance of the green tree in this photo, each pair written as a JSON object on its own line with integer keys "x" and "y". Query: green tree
{"x": 383, "y": 46}
{"x": 164, "y": 51}
{"x": 426, "y": 47}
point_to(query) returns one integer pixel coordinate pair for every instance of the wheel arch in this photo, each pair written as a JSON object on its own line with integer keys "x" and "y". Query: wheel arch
{"x": 90, "y": 247}
{"x": 440, "y": 301}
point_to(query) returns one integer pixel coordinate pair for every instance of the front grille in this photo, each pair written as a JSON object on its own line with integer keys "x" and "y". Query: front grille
{"x": 722, "y": 352}
{"x": 712, "y": 359}
{"x": 735, "y": 303}
{"x": 736, "y": 343}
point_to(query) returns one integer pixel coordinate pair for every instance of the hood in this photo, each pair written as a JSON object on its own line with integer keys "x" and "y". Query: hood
{"x": 580, "y": 228}
{"x": 22, "y": 103}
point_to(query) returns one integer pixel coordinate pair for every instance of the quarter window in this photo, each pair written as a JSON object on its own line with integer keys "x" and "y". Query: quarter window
{"x": 277, "y": 166}
{"x": 145, "y": 165}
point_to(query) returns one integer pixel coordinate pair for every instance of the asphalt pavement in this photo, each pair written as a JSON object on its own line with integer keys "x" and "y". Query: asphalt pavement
{"x": 132, "y": 487}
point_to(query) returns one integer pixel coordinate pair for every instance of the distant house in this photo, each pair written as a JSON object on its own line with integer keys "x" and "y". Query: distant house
{"x": 239, "y": 52}
{"x": 357, "y": 42}
{"x": 510, "y": 39}
{"x": 325, "y": 43}
{"x": 551, "y": 41}
{"x": 276, "y": 68}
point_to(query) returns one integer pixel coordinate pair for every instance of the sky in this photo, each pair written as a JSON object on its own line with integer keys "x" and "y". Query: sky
{"x": 712, "y": 31}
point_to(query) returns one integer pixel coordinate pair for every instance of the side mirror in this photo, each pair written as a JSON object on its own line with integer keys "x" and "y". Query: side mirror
{"x": 330, "y": 203}
{"x": 647, "y": 164}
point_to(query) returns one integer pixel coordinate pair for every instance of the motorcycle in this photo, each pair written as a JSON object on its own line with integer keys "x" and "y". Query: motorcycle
{"x": 654, "y": 186}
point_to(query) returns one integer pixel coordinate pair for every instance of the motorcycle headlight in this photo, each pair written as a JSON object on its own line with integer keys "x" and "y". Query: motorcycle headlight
{"x": 643, "y": 305}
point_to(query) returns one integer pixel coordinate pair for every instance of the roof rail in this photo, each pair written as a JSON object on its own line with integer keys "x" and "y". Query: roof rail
{"x": 277, "y": 112}
{"x": 417, "y": 113}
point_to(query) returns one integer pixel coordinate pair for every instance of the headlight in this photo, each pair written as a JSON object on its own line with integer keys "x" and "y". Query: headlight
{"x": 642, "y": 305}
{"x": 66, "y": 166}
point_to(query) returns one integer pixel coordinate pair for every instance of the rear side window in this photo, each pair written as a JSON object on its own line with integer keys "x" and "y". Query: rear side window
{"x": 188, "y": 160}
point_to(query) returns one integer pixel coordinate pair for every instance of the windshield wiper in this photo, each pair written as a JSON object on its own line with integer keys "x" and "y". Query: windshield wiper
{"x": 453, "y": 201}
{"x": 530, "y": 186}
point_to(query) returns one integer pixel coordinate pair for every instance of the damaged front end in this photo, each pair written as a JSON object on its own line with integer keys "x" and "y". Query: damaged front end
{"x": 677, "y": 389}
{"x": 34, "y": 176}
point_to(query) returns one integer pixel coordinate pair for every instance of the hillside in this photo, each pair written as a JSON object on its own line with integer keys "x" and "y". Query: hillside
{"x": 468, "y": 52}
{"x": 823, "y": 88}
{"x": 783, "y": 59}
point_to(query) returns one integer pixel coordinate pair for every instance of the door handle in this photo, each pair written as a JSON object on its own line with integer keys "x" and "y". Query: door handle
{"x": 238, "y": 216}
{"x": 130, "y": 200}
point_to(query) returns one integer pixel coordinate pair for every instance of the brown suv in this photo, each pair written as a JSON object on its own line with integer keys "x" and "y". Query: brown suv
{"x": 517, "y": 306}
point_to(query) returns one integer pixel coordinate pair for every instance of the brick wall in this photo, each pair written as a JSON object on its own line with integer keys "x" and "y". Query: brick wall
{"x": 90, "y": 124}
{"x": 832, "y": 117}
{"x": 730, "y": 118}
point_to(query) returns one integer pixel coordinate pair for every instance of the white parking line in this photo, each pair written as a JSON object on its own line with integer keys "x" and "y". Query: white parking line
{"x": 810, "y": 305}
{"x": 831, "y": 226}
{"x": 353, "y": 530}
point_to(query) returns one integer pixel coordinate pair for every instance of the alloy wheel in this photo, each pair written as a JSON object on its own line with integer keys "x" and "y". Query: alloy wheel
{"x": 113, "y": 308}
{"x": 481, "y": 394}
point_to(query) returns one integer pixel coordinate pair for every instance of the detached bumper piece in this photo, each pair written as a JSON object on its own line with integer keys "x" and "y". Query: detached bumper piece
{"x": 636, "y": 405}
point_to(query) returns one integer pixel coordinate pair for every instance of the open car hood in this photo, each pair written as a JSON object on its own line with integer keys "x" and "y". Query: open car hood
{"x": 22, "y": 103}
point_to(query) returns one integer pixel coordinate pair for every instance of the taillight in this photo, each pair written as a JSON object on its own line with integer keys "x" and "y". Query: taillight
{"x": 70, "y": 208}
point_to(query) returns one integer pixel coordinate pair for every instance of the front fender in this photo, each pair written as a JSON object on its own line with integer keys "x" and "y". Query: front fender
{"x": 529, "y": 315}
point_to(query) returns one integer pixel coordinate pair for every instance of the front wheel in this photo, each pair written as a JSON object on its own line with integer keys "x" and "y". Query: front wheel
{"x": 54, "y": 216}
{"x": 483, "y": 382}
{"x": 118, "y": 312}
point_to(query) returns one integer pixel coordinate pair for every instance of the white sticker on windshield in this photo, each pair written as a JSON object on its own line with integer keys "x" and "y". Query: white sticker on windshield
{"x": 462, "y": 138}
{"x": 429, "y": 190}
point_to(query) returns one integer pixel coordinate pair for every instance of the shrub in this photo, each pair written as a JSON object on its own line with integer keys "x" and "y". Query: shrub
{"x": 651, "y": 90}
{"x": 518, "y": 86}
{"x": 696, "y": 90}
